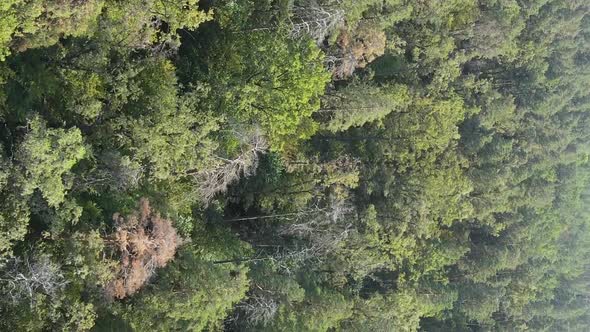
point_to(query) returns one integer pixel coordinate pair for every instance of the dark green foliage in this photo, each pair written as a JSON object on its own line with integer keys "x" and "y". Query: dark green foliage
{"x": 311, "y": 165}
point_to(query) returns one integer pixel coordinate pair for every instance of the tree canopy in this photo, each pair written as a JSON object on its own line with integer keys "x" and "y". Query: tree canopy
{"x": 271, "y": 165}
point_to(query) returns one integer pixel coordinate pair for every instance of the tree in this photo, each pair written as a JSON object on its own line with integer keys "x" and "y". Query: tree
{"x": 357, "y": 49}
{"x": 145, "y": 242}
{"x": 321, "y": 310}
{"x": 37, "y": 296}
{"x": 25, "y": 277}
{"x": 315, "y": 22}
{"x": 186, "y": 284}
{"x": 39, "y": 23}
{"x": 272, "y": 82}
{"x": 161, "y": 129}
{"x": 14, "y": 211}
{"x": 212, "y": 182}
{"x": 360, "y": 103}
{"x": 46, "y": 155}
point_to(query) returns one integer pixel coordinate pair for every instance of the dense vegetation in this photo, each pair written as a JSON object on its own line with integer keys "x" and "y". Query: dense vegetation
{"x": 294, "y": 165}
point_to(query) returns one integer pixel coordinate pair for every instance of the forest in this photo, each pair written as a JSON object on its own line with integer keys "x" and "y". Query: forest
{"x": 294, "y": 165}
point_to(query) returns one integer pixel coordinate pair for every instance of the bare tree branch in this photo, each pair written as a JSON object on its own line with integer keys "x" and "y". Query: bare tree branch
{"x": 23, "y": 277}
{"x": 315, "y": 22}
{"x": 212, "y": 182}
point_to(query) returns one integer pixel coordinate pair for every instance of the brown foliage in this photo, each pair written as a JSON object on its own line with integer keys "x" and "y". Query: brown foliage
{"x": 145, "y": 242}
{"x": 358, "y": 48}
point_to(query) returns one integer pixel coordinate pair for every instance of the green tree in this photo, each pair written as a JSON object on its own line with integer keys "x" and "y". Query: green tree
{"x": 46, "y": 155}
{"x": 269, "y": 80}
{"x": 187, "y": 284}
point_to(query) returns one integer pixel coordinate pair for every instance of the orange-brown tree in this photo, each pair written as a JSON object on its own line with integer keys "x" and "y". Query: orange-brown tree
{"x": 145, "y": 241}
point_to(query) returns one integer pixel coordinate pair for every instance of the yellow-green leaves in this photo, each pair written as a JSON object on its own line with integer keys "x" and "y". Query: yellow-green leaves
{"x": 160, "y": 128}
{"x": 272, "y": 81}
{"x": 46, "y": 155}
{"x": 141, "y": 24}
{"x": 361, "y": 103}
{"x": 39, "y": 23}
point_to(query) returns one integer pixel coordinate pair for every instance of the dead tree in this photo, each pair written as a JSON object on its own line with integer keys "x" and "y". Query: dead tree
{"x": 260, "y": 308}
{"x": 144, "y": 241}
{"x": 215, "y": 181}
{"x": 324, "y": 231}
{"x": 24, "y": 277}
{"x": 315, "y": 22}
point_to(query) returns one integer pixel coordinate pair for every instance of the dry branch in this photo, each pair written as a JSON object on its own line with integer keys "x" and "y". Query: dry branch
{"x": 145, "y": 241}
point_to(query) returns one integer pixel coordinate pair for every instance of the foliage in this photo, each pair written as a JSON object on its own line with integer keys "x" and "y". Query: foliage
{"x": 271, "y": 81}
{"x": 47, "y": 155}
{"x": 311, "y": 165}
{"x": 145, "y": 242}
{"x": 189, "y": 283}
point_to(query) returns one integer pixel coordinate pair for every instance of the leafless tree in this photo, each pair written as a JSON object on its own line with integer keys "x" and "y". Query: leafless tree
{"x": 324, "y": 231}
{"x": 341, "y": 65}
{"x": 315, "y": 22}
{"x": 23, "y": 277}
{"x": 116, "y": 172}
{"x": 212, "y": 182}
{"x": 260, "y": 308}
